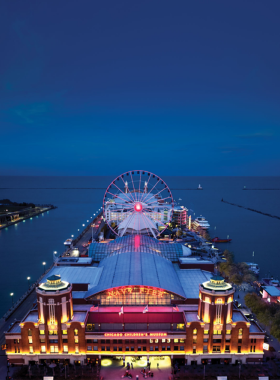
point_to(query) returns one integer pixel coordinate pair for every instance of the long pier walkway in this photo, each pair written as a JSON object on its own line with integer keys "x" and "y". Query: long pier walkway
{"x": 251, "y": 209}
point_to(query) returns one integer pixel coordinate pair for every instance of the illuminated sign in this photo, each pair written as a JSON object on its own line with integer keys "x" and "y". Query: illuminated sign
{"x": 134, "y": 334}
{"x": 266, "y": 346}
{"x": 147, "y": 290}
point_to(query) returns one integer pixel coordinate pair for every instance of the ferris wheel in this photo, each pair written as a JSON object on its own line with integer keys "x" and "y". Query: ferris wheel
{"x": 138, "y": 202}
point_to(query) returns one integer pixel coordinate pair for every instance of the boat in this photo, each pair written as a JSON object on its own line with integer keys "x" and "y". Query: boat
{"x": 200, "y": 187}
{"x": 253, "y": 267}
{"x": 68, "y": 242}
{"x": 201, "y": 222}
{"x": 218, "y": 240}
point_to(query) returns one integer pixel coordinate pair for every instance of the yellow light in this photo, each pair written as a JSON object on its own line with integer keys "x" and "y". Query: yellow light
{"x": 106, "y": 362}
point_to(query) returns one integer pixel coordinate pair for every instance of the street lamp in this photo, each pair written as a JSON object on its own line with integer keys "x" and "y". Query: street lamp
{"x": 12, "y": 295}
{"x": 87, "y": 220}
{"x": 44, "y": 264}
{"x": 72, "y": 235}
{"x": 83, "y": 225}
{"x": 55, "y": 252}
{"x": 28, "y": 279}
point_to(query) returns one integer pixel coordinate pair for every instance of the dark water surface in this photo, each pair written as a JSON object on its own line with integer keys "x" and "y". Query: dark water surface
{"x": 25, "y": 246}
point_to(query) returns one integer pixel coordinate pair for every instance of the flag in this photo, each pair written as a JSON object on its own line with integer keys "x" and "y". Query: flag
{"x": 121, "y": 312}
{"x": 175, "y": 308}
{"x": 94, "y": 308}
{"x": 146, "y": 309}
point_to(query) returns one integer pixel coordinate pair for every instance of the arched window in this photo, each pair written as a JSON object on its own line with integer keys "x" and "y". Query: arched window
{"x": 195, "y": 332}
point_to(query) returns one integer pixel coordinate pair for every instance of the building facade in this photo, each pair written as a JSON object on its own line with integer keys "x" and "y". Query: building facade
{"x": 135, "y": 302}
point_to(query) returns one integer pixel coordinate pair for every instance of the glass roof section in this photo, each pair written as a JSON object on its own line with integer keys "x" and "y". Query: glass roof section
{"x": 135, "y": 243}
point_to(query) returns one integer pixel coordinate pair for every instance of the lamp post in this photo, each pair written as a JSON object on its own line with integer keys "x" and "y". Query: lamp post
{"x": 28, "y": 279}
{"x": 44, "y": 265}
{"x": 12, "y": 295}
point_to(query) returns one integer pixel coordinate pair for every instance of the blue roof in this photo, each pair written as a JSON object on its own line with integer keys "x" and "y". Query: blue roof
{"x": 135, "y": 268}
{"x": 136, "y": 243}
{"x": 272, "y": 291}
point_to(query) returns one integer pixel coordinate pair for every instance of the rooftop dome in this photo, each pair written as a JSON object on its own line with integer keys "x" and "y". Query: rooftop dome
{"x": 217, "y": 283}
{"x": 53, "y": 284}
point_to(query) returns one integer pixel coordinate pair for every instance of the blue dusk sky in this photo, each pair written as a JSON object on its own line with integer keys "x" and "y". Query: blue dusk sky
{"x": 181, "y": 87}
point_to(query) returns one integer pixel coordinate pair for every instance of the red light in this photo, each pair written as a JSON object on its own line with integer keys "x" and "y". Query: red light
{"x": 138, "y": 207}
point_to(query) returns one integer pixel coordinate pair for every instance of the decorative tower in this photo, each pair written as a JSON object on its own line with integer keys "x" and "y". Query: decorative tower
{"x": 215, "y": 309}
{"x": 55, "y": 306}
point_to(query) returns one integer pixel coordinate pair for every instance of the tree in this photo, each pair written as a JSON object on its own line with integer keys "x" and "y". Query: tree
{"x": 236, "y": 279}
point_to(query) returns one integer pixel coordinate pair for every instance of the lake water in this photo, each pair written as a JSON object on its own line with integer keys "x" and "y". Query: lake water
{"x": 25, "y": 246}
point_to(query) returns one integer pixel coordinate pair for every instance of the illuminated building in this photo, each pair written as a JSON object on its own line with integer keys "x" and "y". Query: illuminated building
{"x": 179, "y": 217}
{"x": 139, "y": 299}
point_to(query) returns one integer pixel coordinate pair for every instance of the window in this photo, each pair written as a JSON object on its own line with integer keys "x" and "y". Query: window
{"x": 217, "y": 340}
{"x": 43, "y": 349}
{"x": 76, "y": 349}
{"x": 31, "y": 350}
{"x": 51, "y": 311}
{"x": 144, "y": 348}
{"x": 163, "y": 340}
{"x": 182, "y": 340}
{"x": 29, "y": 332}
{"x": 16, "y": 350}
{"x": 216, "y": 349}
{"x": 120, "y": 349}
{"x": 163, "y": 348}
{"x": 139, "y": 348}
{"x": 42, "y": 340}
{"x": 151, "y": 348}
{"x": 217, "y": 332}
{"x": 65, "y": 348}
{"x": 16, "y": 341}
{"x": 95, "y": 348}
{"x": 194, "y": 350}
{"x": 240, "y": 341}
{"x": 120, "y": 341}
{"x": 176, "y": 340}
{"x": 151, "y": 340}
{"x": 194, "y": 331}
{"x": 107, "y": 348}
{"x": 42, "y": 332}
{"x": 115, "y": 341}
{"x": 126, "y": 348}
{"x": 206, "y": 332}
{"x": 76, "y": 340}
{"x": 156, "y": 340}
{"x": 205, "y": 349}
{"x": 180, "y": 326}
{"x": 239, "y": 349}
{"x": 76, "y": 332}
{"x": 176, "y": 348}
{"x": 115, "y": 348}
{"x": 253, "y": 348}
{"x": 194, "y": 339}
{"x": 205, "y": 340}
{"x": 168, "y": 340}
{"x": 182, "y": 348}
{"x": 227, "y": 340}
{"x": 132, "y": 348}
{"x": 95, "y": 340}
{"x": 168, "y": 348}
{"x": 52, "y": 332}
{"x": 227, "y": 349}
{"x": 156, "y": 348}
{"x": 219, "y": 303}
{"x": 102, "y": 348}
{"x": 102, "y": 340}
{"x": 64, "y": 332}
{"x": 228, "y": 332}
{"x": 30, "y": 340}
{"x": 240, "y": 331}
{"x": 253, "y": 340}
{"x": 90, "y": 327}
{"x": 64, "y": 340}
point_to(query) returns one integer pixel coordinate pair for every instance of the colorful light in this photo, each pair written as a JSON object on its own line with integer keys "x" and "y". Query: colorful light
{"x": 138, "y": 207}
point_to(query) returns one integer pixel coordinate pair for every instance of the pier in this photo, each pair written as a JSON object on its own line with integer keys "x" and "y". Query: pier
{"x": 251, "y": 209}
{"x": 10, "y": 218}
